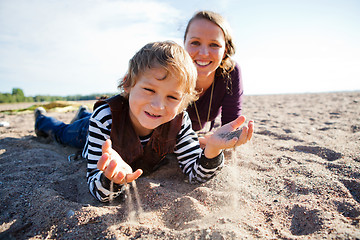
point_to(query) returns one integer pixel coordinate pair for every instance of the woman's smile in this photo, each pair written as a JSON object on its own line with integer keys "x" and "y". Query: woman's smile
{"x": 205, "y": 42}
{"x": 202, "y": 63}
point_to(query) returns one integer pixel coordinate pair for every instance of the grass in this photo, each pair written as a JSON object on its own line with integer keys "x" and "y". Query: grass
{"x": 58, "y": 106}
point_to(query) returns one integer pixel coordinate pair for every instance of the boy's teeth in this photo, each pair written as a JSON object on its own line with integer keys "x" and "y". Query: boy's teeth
{"x": 153, "y": 115}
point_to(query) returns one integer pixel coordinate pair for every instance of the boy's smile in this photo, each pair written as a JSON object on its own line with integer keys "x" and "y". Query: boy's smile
{"x": 155, "y": 99}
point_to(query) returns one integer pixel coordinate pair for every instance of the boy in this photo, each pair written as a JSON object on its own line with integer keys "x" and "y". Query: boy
{"x": 136, "y": 129}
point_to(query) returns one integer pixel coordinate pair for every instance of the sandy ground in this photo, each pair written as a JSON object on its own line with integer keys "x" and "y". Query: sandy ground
{"x": 299, "y": 178}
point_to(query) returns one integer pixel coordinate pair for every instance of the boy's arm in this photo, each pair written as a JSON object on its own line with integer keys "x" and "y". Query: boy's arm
{"x": 191, "y": 157}
{"x": 99, "y": 131}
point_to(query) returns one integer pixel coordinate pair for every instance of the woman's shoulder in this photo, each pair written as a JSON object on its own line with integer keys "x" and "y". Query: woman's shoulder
{"x": 235, "y": 74}
{"x": 237, "y": 68}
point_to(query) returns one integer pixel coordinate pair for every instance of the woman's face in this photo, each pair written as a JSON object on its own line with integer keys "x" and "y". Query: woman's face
{"x": 205, "y": 42}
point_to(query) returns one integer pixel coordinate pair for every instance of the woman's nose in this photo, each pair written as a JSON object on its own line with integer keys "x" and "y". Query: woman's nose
{"x": 203, "y": 50}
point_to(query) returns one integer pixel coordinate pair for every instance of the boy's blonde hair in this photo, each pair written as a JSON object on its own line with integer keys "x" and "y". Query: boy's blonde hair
{"x": 169, "y": 56}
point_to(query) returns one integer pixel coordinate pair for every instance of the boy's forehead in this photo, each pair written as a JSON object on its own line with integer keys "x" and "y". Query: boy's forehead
{"x": 157, "y": 72}
{"x": 160, "y": 74}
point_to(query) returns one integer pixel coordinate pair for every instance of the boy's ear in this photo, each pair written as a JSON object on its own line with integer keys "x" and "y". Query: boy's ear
{"x": 126, "y": 89}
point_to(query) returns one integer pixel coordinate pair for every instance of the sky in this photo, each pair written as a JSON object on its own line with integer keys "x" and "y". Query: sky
{"x": 66, "y": 47}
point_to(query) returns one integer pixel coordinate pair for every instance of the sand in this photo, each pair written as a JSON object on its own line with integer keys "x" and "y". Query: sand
{"x": 298, "y": 178}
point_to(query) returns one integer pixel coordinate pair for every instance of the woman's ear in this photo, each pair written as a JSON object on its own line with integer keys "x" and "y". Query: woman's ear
{"x": 225, "y": 53}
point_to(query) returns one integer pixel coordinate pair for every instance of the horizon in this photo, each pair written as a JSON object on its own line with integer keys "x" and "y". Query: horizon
{"x": 261, "y": 94}
{"x": 82, "y": 48}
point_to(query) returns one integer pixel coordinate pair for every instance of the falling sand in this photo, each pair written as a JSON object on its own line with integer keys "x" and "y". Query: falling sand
{"x": 134, "y": 207}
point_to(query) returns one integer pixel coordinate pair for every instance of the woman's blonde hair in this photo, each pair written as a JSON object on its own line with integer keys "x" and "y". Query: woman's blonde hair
{"x": 169, "y": 56}
{"x": 227, "y": 64}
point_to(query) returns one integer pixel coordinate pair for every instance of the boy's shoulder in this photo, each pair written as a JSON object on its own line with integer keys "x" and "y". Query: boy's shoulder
{"x": 113, "y": 102}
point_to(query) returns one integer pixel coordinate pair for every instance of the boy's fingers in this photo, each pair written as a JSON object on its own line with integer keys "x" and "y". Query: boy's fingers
{"x": 119, "y": 178}
{"x": 102, "y": 163}
{"x": 132, "y": 176}
{"x": 106, "y": 145}
{"x": 110, "y": 170}
{"x": 122, "y": 178}
{"x": 202, "y": 140}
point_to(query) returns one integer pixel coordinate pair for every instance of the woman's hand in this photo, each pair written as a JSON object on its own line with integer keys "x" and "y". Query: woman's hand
{"x": 114, "y": 167}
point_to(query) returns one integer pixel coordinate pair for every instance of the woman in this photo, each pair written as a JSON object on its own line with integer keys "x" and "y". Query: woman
{"x": 209, "y": 42}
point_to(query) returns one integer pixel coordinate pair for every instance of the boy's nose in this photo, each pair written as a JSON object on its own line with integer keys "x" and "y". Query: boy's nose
{"x": 157, "y": 103}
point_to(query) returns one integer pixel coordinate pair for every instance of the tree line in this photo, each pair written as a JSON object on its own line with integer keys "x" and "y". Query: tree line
{"x": 17, "y": 95}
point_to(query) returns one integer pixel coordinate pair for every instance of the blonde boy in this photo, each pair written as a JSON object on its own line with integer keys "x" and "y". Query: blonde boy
{"x": 136, "y": 129}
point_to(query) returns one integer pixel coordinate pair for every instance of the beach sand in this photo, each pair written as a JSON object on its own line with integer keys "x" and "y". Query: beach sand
{"x": 298, "y": 178}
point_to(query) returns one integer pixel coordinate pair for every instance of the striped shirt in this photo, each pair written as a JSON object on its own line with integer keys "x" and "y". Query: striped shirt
{"x": 190, "y": 156}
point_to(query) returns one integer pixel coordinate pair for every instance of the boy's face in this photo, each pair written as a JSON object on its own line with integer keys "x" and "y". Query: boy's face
{"x": 155, "y": 99}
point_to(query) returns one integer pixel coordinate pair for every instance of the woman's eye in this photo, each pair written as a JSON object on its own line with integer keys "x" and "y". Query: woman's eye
{"x": 195, "y": 43}
{"x": 214, "y": 45}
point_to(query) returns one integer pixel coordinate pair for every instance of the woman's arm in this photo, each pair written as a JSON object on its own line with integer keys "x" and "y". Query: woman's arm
{"x": 232, "y": 103}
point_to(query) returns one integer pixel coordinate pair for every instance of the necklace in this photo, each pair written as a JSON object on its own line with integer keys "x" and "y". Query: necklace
{"x": 208, "y": 115}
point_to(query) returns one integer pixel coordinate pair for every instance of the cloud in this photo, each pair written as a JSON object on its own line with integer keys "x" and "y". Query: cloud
{"x": 77, "y": 45}
{"x": 82, "y": 47}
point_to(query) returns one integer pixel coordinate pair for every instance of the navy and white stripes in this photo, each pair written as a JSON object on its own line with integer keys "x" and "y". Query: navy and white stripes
{"x": 189, "y": 154}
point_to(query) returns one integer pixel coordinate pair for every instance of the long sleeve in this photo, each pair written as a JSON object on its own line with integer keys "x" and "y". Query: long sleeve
{"x": 232, "y": 103}
{"x": 99, "y": 131}
{"x": 189, "y": 154}
{"x": 191, "y": 157}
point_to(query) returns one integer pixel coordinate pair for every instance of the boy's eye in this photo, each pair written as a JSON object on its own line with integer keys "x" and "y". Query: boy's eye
{"x": 174, "y": 98}
{"x": 149, "y": 90}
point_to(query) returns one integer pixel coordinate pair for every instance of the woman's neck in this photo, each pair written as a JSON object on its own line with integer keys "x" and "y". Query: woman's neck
{"x": 203, "y": 83}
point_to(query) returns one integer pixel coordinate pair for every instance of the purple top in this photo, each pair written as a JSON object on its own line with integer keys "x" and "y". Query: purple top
{"x": 229, "y": 105}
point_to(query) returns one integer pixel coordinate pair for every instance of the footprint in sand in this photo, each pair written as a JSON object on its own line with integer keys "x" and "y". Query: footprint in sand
{"x": 348, "y": 208}
{"x": 305, "y": 221}
{"x": 354, "y": 188}
{"x": 324, "y": 153}
{"x": 67, "y": 188}
{"x": 279, "y": 136}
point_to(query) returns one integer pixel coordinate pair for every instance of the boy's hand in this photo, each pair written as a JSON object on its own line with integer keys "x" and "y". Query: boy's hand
{"x": 114, "y": 167}
{"x": 203, "y": 139}
{"x": 226, "y": 137}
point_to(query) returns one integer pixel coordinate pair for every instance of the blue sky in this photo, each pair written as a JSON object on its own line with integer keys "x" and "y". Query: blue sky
{"x": 66, "y": 47}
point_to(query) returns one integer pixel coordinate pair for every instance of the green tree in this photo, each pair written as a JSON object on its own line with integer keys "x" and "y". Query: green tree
{"x": 18, "y": 95}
